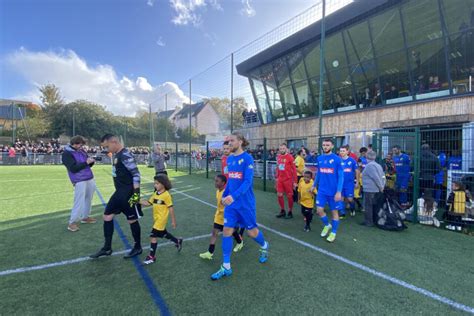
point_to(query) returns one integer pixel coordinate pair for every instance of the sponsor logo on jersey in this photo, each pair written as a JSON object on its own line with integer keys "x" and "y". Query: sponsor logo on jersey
{"x": 347, "y": 169}
{"x": 235, "y": 175}
{"x": 326, "y": 170}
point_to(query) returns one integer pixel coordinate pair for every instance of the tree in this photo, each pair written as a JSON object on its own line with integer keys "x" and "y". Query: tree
{"x": 91, "y": 120}
{"x": 36, "y": 126}
{"x": 51, "y": 99}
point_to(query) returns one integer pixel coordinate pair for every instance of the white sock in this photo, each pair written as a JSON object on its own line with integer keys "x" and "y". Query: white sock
{"x": 265, "y": 247}
{"x": 226, "y": 266}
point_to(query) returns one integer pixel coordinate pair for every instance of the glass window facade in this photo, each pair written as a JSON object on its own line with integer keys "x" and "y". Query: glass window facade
{"x": 413, "y": 50}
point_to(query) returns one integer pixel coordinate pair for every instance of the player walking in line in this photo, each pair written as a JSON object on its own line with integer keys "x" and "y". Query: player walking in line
{"x": 126, "y": 197}
{"x": 220, "y": 183}
{"x": 351, "y": 179}
{"x": 239, "y": 202}
{"x": 329, "y": 182}
{"x": 285, "y": 181}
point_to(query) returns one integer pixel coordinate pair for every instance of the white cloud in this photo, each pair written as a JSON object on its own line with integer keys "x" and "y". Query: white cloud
{"x": 186, "y": 11}
{"x": 248, "y": 10}
{"x": 189, "y": 12}
{"x": 100, "y": 84}
{"x": 160, "y": 42}
{"x": 150, "y": 2}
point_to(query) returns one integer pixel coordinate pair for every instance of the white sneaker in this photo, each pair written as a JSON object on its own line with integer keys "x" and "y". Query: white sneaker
{"x": 458, "y": 228}
{"x": 436, "y": 222}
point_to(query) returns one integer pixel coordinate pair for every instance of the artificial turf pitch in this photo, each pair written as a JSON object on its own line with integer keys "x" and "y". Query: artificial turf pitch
{"x": 35, "y": 205}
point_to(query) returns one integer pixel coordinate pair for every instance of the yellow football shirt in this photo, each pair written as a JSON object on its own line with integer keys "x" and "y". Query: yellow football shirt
{"x": 299, "y": 163}
{"x": 307, "y": 199}
{"x": 219, "y": 216}
{"x": 161, "y": 203}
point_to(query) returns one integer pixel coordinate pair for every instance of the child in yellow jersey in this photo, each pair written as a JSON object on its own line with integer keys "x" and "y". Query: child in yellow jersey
{"x": 220, "y": 183}
{"x": 162, "y": 207}
{"x": 457, "y": 202}
{"x": 306, "y": 197}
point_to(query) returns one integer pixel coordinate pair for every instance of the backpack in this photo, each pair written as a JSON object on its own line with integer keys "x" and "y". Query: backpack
{"x": 390, "y": 215}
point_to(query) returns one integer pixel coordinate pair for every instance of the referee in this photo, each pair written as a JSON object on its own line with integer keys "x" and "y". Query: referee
{"x": 126, "y": 197}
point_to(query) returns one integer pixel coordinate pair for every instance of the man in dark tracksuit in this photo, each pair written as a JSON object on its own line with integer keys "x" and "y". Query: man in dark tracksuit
{"x": 126, "y": 197}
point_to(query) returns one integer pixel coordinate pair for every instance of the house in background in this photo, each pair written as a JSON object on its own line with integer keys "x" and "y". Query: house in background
{"x": 204, "y": 118}
{"x": 169, "y": 115}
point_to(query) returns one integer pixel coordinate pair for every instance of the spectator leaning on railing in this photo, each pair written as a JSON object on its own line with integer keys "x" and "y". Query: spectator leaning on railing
{"x": 79, "y": 170}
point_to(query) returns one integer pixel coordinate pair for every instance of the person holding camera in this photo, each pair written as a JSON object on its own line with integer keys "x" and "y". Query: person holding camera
{"x": 78, "y": 166}
{"x": 159, "y": 161}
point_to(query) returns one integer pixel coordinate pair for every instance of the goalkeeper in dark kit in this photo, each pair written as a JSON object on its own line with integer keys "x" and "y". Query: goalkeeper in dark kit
{"x": 125, "y": 199}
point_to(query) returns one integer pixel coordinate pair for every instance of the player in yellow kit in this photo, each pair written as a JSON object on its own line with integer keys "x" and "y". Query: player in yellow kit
{"x": 220, "y": 183}
{"x": 306, "y": 197}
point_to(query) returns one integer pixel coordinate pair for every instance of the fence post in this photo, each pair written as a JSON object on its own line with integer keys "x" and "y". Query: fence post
{"x": 264, "y": 164}
{"x": 416, "y": 174}
{"x": 176, "y": 160}
{"x": 207, "y": 160}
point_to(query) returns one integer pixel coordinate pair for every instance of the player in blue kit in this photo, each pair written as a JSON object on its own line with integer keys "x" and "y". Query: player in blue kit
{"x": 351, "y": 178}
{"x": 329, "y": 182}
{"x": 239, "y": 202}
{"x": 402, "y": 167}
{"x": 455, "y": 161}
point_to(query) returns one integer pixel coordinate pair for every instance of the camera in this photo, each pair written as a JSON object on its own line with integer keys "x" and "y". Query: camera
{"x": 97, "y": 158}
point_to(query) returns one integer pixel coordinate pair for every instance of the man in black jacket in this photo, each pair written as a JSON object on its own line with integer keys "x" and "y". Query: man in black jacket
{"x": 126, "y": 197}
{"x": 429, "y": 167}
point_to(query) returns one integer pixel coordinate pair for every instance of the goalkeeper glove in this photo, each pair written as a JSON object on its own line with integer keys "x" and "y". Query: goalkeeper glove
{"x": 135, "y": 199}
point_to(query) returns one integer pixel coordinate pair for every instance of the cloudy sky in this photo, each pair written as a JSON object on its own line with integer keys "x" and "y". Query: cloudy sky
{"x": 125, "y": 54}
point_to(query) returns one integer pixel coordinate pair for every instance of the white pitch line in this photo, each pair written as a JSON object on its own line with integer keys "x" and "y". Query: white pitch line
{"x": 82, "y": 259}
{"x": 359, "y": 266}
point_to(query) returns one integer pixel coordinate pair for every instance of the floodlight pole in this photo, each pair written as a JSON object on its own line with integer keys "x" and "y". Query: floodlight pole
{"x": 166, "y": 125}
{"x": 73, "y": 121}
{"x": 321, "y": 73}
{"x": 232, "y": 93}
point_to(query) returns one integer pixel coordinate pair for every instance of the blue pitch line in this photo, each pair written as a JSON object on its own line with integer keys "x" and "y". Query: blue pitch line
{"x": 154, "y": 293}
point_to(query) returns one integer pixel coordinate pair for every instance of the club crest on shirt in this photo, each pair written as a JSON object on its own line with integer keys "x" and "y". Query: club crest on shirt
{"x": 331, "y": 161}
{"x": 156, "y": 201}
{"x": 241, "y": 161}
{"x": 115, "y": 161}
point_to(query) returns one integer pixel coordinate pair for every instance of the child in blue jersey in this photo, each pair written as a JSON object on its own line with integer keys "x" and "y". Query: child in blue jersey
{"x": 402, "y": 167}
{"x": 351, "y": 178}
{"x": 239, "y": 202}
{"x": 329, "y": 182}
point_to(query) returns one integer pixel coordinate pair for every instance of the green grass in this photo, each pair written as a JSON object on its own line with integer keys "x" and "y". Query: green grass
{"x": 35, "y": 204}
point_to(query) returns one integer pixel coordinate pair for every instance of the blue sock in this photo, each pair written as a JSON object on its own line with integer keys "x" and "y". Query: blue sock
{"x": 325, "y": 220}
{"x": 342, "y": 212}
{"x": 260, "y": 239}
{"x": 226, "y": 249}
{"x": 335, "y": 225}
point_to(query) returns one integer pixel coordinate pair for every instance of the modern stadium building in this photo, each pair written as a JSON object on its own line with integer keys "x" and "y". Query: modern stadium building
{"x": 388, "y": 64}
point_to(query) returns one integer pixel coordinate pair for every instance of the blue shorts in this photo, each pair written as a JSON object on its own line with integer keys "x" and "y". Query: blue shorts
{"x": 402, "y": 181}
{"x": 348, "y": 191}
{"x": 323, "y": 199}
{"x": 245, "y": 218}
